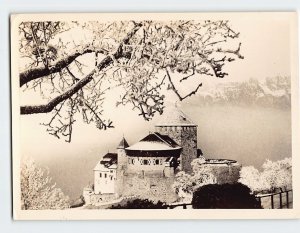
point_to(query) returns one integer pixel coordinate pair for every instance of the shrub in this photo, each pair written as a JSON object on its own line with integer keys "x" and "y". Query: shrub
{"x": 185, "y": 184}
{"x": 224, "y": 196}
{"x": 141, "y": 204}
{"x": 38, "y": 192}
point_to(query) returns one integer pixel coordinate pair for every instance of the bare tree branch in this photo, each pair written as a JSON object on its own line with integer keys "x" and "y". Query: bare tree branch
{"x": 176, "y": 91}
{"x": 36, "y": 73}
{"x": 132, "y": 60}
{"x": 44, "y": 108}
{"x": 80, "y": 84}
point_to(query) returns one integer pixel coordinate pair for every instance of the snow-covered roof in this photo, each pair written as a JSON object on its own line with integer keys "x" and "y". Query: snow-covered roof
{"x": 154, "y": 142}
{"x": 104, "y": 168}
{"x": 175, "y": 117}
{"x": 110, "y": 156}
{"x": 109, "y": 161}
{"x": 149, "y": 146}
{"x": 220, "y": 161}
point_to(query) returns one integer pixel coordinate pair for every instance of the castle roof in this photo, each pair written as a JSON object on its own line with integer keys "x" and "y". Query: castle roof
{"x": 175, "y": 117}
{"x": 110, "y": 156}
{"x": 123, "y": 144}
{"x": 107, "y": 162}
{"x": 154, "y": 142}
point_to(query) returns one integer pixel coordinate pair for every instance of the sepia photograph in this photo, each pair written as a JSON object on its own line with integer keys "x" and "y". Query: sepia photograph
{"x": 155, "y": 116}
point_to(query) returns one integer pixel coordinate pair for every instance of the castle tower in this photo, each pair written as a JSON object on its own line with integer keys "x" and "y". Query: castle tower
{"x": 122, "y": 165}
{"x": 122, "y": 157}
{"x": 183, "y": 131}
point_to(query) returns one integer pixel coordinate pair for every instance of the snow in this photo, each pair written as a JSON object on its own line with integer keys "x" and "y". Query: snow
{"x": 151, "y": 146}
{"x": 101, "y": 167}
{"x": 175, "y": 117}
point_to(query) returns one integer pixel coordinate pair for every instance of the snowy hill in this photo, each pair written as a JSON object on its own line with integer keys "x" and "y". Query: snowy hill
{"x": 271, "y": 92}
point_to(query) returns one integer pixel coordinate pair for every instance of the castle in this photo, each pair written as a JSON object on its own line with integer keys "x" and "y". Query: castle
{"x": 147, "y": 168}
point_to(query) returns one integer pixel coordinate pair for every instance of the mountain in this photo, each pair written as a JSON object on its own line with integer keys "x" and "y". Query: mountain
{"x": 272, "y": 92}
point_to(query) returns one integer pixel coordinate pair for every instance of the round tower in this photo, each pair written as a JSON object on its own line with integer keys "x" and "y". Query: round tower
{"x": 122, "y": 165}
{"x": 154, "y": 154}
{"x": 122, "y": 157}
{"x": 183, "y": 131}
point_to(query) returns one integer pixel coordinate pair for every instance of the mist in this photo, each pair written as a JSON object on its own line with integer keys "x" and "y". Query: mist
{"x": 249, "y": 135}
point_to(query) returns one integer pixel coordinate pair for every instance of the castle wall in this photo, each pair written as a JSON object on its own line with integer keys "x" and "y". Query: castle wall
{"x": 119, "y": 184}
{"x": 186, "y": 137}
{"x": 152, "y": 188}
{"x": 122, "y": 158}
{"x": 98, "y": 199}
{"x": 146, "y": 164}
{"x": 104, "y": 181}
{"x": 121, "y": 168}
{"x": 225, "y": 173}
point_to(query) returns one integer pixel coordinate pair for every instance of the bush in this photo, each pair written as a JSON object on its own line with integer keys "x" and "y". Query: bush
{"x": 224, "y": 196}
{"x": 185, "y": 184}
{"x": 141, "y": 204}
{"x": 38, "y": 191}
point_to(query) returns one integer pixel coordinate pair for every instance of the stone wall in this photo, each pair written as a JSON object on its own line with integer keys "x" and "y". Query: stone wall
{"x": 189, "y": 147}
{"x": 186, "y": 137}
{"x": 98, "y": 199}
{"x": 152, "y": 188}
{"x": 225, "y": 173}
{"x": 122, "y": 157}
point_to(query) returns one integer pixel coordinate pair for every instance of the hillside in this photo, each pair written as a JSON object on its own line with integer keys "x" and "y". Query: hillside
{"x": 271, "y": 92}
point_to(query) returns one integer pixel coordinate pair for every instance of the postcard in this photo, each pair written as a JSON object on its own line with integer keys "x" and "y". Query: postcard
{"x": 155, "y": 116}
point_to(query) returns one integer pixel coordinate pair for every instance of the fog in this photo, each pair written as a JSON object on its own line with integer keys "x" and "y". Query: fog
{"x": 249, "y": 135}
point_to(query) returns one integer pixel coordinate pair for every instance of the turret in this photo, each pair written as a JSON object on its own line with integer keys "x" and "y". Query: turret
{"x": 122, "y": 165}
{"x": 154, "y": 154}
{"x": 122, "y": 157}
{"x": 183, "y": 131}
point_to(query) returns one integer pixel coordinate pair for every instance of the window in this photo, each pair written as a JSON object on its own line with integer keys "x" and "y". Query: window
{"x": 111, "y": 171}
{"x": 145, "y": 162}
{"x": 100, "y": 174}
{"x": 130, "y": 161}
{"x": 105, "y": 175}
{"x": 156, "y": 162}
{"x": 111, "y": 177}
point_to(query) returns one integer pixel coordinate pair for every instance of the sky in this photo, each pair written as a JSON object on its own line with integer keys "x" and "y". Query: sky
{"x": 267, "y": 51}
{"x": 266, "y": 47}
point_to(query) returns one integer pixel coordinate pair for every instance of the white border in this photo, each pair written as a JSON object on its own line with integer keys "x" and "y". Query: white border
{"x": 74, "y": 214}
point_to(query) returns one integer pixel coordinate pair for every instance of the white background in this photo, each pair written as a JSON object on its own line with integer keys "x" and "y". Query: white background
{"x": 21, "y": 6}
